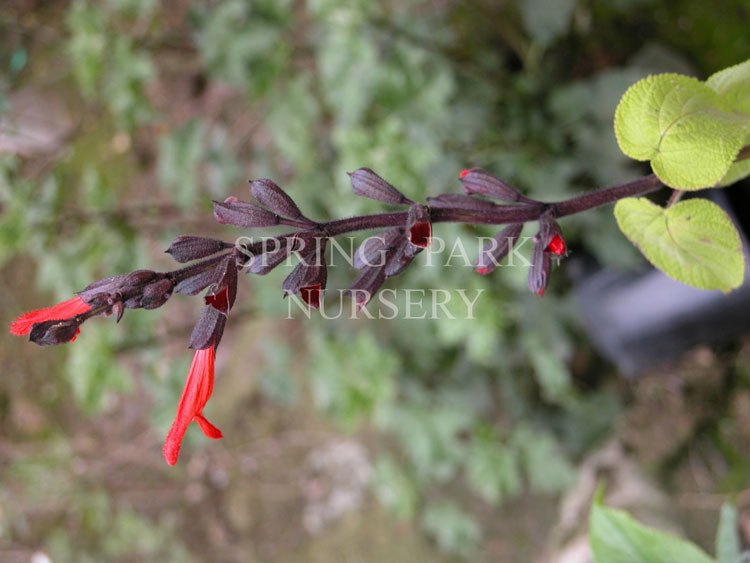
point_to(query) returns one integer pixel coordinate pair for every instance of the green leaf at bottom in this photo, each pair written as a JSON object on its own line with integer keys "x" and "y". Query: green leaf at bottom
{"x": 616, "y": 538}
{"x": 728, "y": 546}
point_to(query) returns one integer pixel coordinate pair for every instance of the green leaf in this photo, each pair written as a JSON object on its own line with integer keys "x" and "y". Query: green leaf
{"x": 692, "y": 241}
{"x": 616, "y": 538}
{"x": 547, "y": 468}
{"x": 87, "y": 45}
{"x": 180, "y": 154}
{"x": 689, "y": 132}
{"x": 733, "y": 84}
{"x": 353, "y": 376}
{"x": 728, "y": 549}
{"x": 492, "y": 470}
{"x": 453, "y": 529}
{"x": 394, "y": 488}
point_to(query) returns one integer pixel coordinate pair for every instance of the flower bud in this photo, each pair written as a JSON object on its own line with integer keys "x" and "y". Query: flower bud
{"x": 187, "y": 248}
{"x": 272, "y": 197}
{"x": 50, "y": 333}
{"x": 367, "y": 284}
{"x": 209, "y": 329}
{"x": 224, "y": 292}
{"x": 132, "y": 284}
{"x": 541, "y": 265}
{"x": 197, "y": 277}
{"x": 304, "y": 274}
{"x": 399, "y": 258}
{"x": 210, "y": 326}
{"x": 477, "y": 181}
{"x": 368, "y": 184}
{"x": 497, "y": 248}
{"x": 156, "y": 294}
{"x": 242, "y": 214}
{"x": 309, "y": 277}
{"x": 372, "y": 252}
{"x": 547, "y": 229}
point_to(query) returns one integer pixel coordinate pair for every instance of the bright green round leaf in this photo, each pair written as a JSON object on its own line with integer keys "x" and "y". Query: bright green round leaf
{"x": 733, "y": 84}
{"x": 688, "y": 131}
{"x": 693, "y": 241}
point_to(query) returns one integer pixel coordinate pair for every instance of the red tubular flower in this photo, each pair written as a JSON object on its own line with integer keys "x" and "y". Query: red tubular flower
{"x": 62, "y": 311}
{"x": 196, "y": 393}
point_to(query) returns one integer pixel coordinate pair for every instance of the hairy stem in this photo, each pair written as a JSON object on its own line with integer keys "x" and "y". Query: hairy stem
{"x": 604, "y": 196}
{"x": 500, "y": 214}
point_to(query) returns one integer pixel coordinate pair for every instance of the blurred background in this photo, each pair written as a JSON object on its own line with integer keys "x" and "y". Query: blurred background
{"x": 346, "y": 440}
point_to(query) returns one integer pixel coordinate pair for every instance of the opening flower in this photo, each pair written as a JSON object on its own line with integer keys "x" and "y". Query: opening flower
{"x": 196, "y": 393}
{"x": 311, "y": 295}
{"x": 62, "y": 311}
{"x": 419, "y": 228}
{"x": 557, "y": 245}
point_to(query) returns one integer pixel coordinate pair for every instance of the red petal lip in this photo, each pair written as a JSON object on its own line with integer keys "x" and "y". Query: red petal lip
{"x": 208, "y": 429}
{"x": 464, "y": 173}
{"x": 420, "y": 234}
{"x": 64, "y": 310}
{"x": 557, "y": 245}
{"x": 195, "y": 394}
{"x": 311, "y": 295}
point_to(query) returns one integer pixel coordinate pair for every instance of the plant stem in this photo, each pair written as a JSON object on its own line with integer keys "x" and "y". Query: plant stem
{"x": 500, "y": 214}
{"x": 603, "y": 196}
{"x": 675, "y": 197}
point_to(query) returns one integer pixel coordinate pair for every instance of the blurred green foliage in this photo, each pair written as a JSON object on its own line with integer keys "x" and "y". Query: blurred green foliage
{"x": 105, "y": 531}
{"x": 415, "y": 90}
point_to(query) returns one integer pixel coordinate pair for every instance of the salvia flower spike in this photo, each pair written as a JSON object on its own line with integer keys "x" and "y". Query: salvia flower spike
{"x": 215, "y": 264}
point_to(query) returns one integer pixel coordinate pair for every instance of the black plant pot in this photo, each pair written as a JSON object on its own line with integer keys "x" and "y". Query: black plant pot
{"x": 642, "y": 319}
